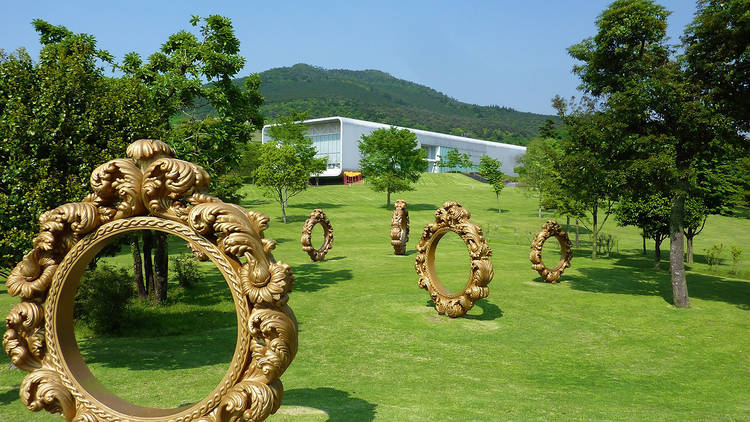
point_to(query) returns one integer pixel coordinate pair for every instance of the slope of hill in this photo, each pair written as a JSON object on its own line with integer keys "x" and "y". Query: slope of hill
{"x": 377, "y": 96}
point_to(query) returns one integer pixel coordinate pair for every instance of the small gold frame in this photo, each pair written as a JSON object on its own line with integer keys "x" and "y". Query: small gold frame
{"x": 150, "y": 191}
{"x": 317, "y": 217}
{"x": 453, "y": 217}
{"x": 549, "y": 229}
{"x": 399, "y": 227}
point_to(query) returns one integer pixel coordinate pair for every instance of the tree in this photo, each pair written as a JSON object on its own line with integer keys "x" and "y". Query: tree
{"x": 663, "y": 119}
{"x": 190, "y": 73}
{"x": 490, "y": 169}
{"x": 391, "y": 161}
{"x": 650, "y": 214}
{"x": 60, "y": 117}
{"x": 287, "y": 162}
{"x": 456, "y": 161}
{"x": 537, "y": 169}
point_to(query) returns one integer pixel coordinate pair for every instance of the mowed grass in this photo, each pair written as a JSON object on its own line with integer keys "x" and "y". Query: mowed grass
{"x": 604, "y": 344}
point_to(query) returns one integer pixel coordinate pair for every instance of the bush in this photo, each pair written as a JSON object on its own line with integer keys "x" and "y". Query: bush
{"x": 227, "y": 188}
{"x": 185, "y": 269}
{"x": 713, "y": 255}
{"x": 102, "y": 298}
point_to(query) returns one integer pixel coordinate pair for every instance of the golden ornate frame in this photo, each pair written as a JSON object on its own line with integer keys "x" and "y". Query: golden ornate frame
{"x": 549, "y": 229}
{"x": 317, "y": 217}
{"x": 453, "y": 217}
{"x": 399, "y": 227}
{"x": 151, "y": 191}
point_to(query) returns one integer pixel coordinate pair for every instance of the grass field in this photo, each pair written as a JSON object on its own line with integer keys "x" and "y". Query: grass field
{"x": 604, "y": 344}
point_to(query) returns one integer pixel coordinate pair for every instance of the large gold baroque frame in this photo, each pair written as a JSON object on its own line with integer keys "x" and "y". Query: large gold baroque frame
{"x": 150, "y": 191}
{"x": 453, "y": 217}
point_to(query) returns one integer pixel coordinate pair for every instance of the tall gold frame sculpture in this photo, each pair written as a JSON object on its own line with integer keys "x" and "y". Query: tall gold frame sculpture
{"x": 399, "y": 227}
{"x": 453, "y": 217}
{"x": 150, "y": 191}
{"x": 317, "y": 217}
{"x": 549, "y": 229}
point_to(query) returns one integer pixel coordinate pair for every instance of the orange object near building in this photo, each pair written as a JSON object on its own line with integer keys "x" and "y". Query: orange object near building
{"x": 352, "y": 177}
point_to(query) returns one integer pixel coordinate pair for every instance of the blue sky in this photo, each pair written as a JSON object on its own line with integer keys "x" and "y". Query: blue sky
{"x": 510, "y": 53}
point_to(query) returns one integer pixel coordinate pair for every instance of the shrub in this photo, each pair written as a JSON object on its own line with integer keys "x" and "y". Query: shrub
{"x": 227, "y": 188}
{"x": 713, "y": 255}
{"x": 185, "y": 269}
{"x": 102, "y": 298}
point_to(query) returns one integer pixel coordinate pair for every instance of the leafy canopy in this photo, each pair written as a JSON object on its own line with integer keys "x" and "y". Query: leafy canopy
{"x": 390, "y": 160}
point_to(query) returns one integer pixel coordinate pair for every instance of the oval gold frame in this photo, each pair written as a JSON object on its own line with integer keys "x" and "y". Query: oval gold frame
{"x": 453, "y": 217}
{"x": 317, "y": 217}
{"x": 399, "y": 227}
{"x": 549, "y": 229}
{"x": 164, "y": 194}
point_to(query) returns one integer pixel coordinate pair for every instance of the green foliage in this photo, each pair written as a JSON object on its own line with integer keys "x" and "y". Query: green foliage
{"x": 185, "y": 270}
{"x": 717, "y": 57}
{"x": 227, "y": 188}
{"x": 287, "y": 162}
{"x": 456, "y": 161}
{"x": 490, "y": 169}
{"x": 102, "y": 298}
{"x": 176, "y": 77}
{"x": 60, "y": 117}
{"x": 713, "y": 255}
{"x": 391, "y": 161}
{"x": 736, "y": 254}
{"x": 379, "y": 97}
{"x": 249, "y": 161}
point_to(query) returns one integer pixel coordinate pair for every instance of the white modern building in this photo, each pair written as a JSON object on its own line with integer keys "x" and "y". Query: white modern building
{"x": 338, "y": 138}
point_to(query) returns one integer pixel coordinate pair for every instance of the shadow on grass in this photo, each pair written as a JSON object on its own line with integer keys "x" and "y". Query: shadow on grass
{"x": 251, "y": 202}
{"x": 490, "y": 311}
{"x": 292, "y": 219}
{"x": 312, "y": 277}
{"x": 413, "y": 207}
{"x": 312, "y": 205}
{"x": 339, "y": 405}
{"x": 11, "y": 395}
{"x": 636, "y": 276}
{"x": 212, "y": 347}
{"x": 494, "y": 210}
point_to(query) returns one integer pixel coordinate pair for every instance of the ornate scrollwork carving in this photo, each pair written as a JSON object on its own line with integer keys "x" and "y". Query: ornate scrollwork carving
{"x": 399, "y": 227}
{"x": 453, "y": 217}
{"x": 549, "y": 229}
{"x": 160, "y": 193}
{"x": 317, "y": 217}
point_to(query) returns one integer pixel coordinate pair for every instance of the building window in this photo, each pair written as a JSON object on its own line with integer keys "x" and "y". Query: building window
{"x": 327, "y": 146}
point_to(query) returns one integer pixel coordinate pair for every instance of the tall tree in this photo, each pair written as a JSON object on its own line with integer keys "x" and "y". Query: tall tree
{"x": 288, "y": 160}
{"x": 60, "y": 117}
{"x": 490, "y": 169}
{"x": 662, "y": 119}
{"x": 536, "y": 169}
{"x": 391, "y": 161}
{"x": 455, "y": 161}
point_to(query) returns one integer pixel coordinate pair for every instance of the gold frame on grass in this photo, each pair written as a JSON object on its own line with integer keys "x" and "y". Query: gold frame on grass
{"x": 151, "y": 191}
{"x": 399, "y": 227}
{"x": 549, "y": 229}
{"x": 317, "y": 217}
{"x": 453, "y": 217}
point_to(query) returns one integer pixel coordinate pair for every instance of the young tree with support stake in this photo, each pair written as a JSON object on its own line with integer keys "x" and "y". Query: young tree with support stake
{"x": 490, "y": 169}
{"x": 391, "y": 161}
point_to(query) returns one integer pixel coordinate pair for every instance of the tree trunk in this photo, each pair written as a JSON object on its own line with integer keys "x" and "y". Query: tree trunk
{"x": 497, "y": 195}
{"x": 138, "y": 268}
{"x": 161, "y": 263}
{"x": 540, "y": 211}
{"x": 643, "y": 235}
{"x": 578, "y": 245}
{"x": 388, "y": 199}
{"x": 676, "y": 251}
{"x": 282, "y": 201}
{"x": 595, "y": 231}
{"x": 567, "y": 223}
{"x": 148, "y": 266}
{"x": 657, "y": 252}
{"x": 689, "y": 249}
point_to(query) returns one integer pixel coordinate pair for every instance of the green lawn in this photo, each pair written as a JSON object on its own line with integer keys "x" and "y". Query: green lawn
{"x": 604, "y": 344}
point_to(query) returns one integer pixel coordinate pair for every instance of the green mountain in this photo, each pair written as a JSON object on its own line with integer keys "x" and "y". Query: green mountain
{"x": 377, "y": 96}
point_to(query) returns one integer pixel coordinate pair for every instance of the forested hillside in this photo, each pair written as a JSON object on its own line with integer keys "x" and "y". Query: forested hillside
{"x": 377, "y": 96}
